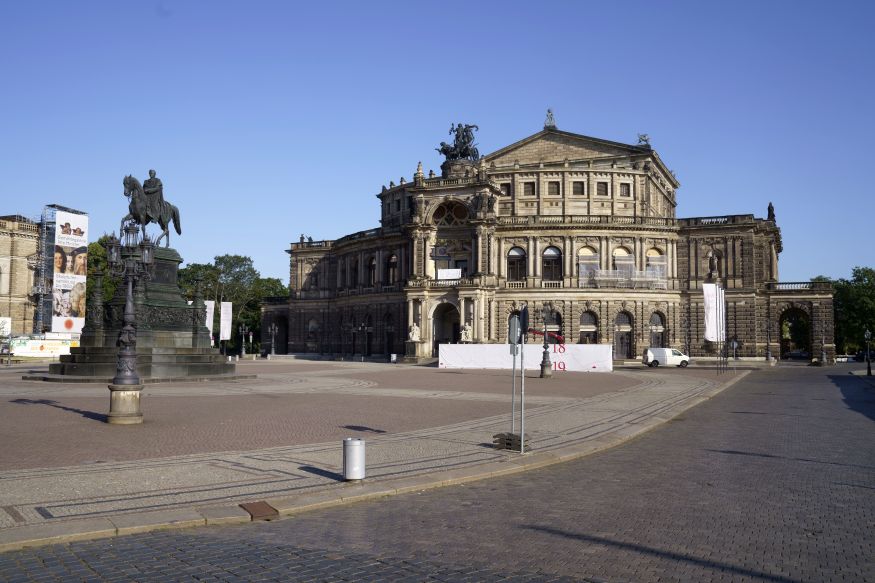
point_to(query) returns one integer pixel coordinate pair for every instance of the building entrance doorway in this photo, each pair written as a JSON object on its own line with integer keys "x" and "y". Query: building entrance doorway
{"x": 446, "y": 328}
{"x": 795, "y": 327}
{"x": 623, "y": 336}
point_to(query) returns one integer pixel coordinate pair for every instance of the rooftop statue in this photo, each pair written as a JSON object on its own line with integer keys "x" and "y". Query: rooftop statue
{"x": 463, "y": 147}
{"x": 147, "y": 205}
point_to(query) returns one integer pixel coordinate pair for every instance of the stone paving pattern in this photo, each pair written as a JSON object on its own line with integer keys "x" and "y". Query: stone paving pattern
{"x": 771, "y": 480}
{"x": 577, "y": 410}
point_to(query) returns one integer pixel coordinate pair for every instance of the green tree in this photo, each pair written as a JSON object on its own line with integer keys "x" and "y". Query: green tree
{"x": 854, "y": 303}
{"x": 97, "y": 260}
{"x": 233, "y": 278}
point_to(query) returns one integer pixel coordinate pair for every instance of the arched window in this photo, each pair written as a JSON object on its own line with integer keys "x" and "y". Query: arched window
{"x": 623, "y": 336}
{"x": 449, "y": 214}
{"x": 372, "y": 272}
{"x": 656, "y": 265}
{"x": 516, "y": 264}
{"x": 657, "y": 330}
{"x": 587, "y": 265}
{"x": 589, "y": 328}
{"x": 552, "y": 264}
{"x": 354, "y": 274}
{"x": 624, "y": 260}
{"x": 391, "y": 275}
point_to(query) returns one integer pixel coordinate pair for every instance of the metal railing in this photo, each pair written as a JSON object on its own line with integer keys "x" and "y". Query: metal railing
{"x": 606, "y": 278}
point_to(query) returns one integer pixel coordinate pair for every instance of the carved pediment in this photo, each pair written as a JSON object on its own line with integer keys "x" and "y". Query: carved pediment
{"x": 561, "y": 146}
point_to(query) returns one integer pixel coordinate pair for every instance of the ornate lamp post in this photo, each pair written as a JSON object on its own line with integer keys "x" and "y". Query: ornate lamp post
{"x": 868, "y": 337}
{"x": 546, "y": 365}
{"x": 243, "y": 329}
{"x": 273, "y": 329}
{"x": 768, "y": 342}
{"x": 124, "y": 391}
{"x": 363, "y": 331}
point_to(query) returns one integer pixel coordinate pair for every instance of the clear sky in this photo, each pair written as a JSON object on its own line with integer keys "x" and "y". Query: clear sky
{"x": 266, "y": 120}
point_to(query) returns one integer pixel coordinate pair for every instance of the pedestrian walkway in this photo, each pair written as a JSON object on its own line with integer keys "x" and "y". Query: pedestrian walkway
{"x": 423, "y": 428}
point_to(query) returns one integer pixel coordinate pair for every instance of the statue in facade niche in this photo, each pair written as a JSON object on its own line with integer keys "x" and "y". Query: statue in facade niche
{"x": 466, "y": 332}
{"x": 413, "y": 333}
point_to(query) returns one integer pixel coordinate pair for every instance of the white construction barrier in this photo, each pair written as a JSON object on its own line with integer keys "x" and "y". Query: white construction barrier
{"x": 563, "y": 357}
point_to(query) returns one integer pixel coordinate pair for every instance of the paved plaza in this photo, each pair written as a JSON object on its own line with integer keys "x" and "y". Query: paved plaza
{"x": 770, "y": 479}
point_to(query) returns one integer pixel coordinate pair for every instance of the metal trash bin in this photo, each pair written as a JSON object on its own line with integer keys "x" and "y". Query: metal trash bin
{"x": 353, "y": 459}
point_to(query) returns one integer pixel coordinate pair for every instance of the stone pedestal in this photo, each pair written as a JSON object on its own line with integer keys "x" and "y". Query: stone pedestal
{"x": 124, "y": 405}
{"x": 172, "y": 337}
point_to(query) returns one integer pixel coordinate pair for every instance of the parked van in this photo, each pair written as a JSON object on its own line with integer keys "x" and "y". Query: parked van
{"x": 665, "y": 356}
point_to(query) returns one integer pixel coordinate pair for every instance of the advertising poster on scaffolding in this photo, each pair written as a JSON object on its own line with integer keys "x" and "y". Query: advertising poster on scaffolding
{"x": 69, "y": 270}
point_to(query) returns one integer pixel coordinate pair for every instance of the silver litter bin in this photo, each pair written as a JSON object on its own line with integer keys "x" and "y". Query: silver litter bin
{"x": 353, "y": 459}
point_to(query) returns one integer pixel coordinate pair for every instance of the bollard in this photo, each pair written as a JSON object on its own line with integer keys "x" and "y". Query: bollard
{"x": 353, "y": 459}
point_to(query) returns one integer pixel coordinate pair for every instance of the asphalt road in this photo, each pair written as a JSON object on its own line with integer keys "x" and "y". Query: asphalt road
{"x": 771, "y": 480}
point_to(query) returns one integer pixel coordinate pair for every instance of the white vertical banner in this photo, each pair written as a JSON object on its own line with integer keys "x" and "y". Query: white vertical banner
{"x": 715, "y": 312}
{"x": 211, "y": 309}
{"x": 710, "y": 302}
{"x": 225, "y": 321}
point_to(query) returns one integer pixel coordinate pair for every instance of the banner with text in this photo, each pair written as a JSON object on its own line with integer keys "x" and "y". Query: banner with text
{"x": 563, "y": 357}
{"x": 70, "y": 267}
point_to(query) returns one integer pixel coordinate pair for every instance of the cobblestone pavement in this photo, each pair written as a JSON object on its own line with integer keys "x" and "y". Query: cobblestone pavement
{"x": 771, "y": 480}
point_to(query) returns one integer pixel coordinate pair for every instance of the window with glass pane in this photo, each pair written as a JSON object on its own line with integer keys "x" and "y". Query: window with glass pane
{"x": 553, "y": 188}
{"x": 516, "y": 264}
{"x": 505, "y": 189}
{"x": 529, "y": 188}
{"x": 552, "y": 264}
{"x": 577, "y": 188}
{"x": 625, "y": 189}
{"x": 391, "y": 269}
{"x": 624, "y": 261}
{"x": 602, "y": 189}
{"x": 372, "y": 272}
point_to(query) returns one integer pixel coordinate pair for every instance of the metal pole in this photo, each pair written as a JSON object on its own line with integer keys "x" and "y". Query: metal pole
{"x": 522, "y": 398}
{"x": 513, "y": 391}
{"x": 868, "y": 337}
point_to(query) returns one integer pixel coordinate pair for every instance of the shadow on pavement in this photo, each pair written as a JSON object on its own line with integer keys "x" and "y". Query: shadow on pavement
{"x": 320, "y": 472}
{"x": 859, "y": 395}
{"x": 781, "y": 457}
{"x": 668, "y": 555}
{"x": 362, "y": 428}
{"x": 87, "y": 414}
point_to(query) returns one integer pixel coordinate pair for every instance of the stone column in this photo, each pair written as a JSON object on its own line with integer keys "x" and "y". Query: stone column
{"x": 478, "y": 250}
{"x": 500, "y": 262}
{"x": 429, "y": 264}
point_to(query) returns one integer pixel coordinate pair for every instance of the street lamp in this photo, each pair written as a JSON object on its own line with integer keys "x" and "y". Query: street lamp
{"x": 546, "y": 366}
{"x": 363, "y": 331}
{"x": 243, "y": 329}
{"x": 768, "y": 342}
{"x": 273, "y": 329}
{"x": 123, "y": 261}
{"x": 868, "y": 337}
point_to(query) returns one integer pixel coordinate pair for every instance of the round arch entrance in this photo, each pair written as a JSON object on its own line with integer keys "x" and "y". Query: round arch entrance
{"x": 623, "y": 336}
{"x": 795, "y": 330}
{"x": 446, "y": 326}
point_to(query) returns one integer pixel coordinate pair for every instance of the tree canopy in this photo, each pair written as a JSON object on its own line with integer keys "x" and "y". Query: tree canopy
{"x": 233, "y": 278}
{"x": 854, "y": 303}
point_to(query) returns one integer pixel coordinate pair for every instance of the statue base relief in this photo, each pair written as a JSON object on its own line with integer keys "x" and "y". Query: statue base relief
{"x": 172, "y": 337}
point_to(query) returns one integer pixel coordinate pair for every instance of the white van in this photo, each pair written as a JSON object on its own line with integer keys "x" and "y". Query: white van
{"x": 667, "y": 356}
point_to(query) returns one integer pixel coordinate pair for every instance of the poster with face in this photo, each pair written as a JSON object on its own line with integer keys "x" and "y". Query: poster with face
{"x": 70, "y": 268}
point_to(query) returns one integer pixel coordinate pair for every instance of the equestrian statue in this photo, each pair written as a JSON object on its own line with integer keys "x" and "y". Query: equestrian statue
{"x": 147, "y": 205}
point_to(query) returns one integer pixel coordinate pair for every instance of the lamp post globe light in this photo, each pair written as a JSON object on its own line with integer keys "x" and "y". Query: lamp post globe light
{"x": 546, "y": 365}
{"x": 131, "y": 260}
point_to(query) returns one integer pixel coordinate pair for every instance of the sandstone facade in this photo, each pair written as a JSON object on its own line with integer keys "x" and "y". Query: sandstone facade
{"x": 19, "y": 240}
{"x": 584, "y": 226}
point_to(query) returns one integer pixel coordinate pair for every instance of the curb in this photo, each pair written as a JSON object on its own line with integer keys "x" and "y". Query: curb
{"x": 17, "y": 538}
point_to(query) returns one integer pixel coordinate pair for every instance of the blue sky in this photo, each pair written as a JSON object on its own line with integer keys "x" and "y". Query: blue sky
{"x": 266, "y": 120}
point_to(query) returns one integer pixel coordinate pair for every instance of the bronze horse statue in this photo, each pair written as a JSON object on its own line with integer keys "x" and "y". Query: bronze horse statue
{"x": 139, "y": 211}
